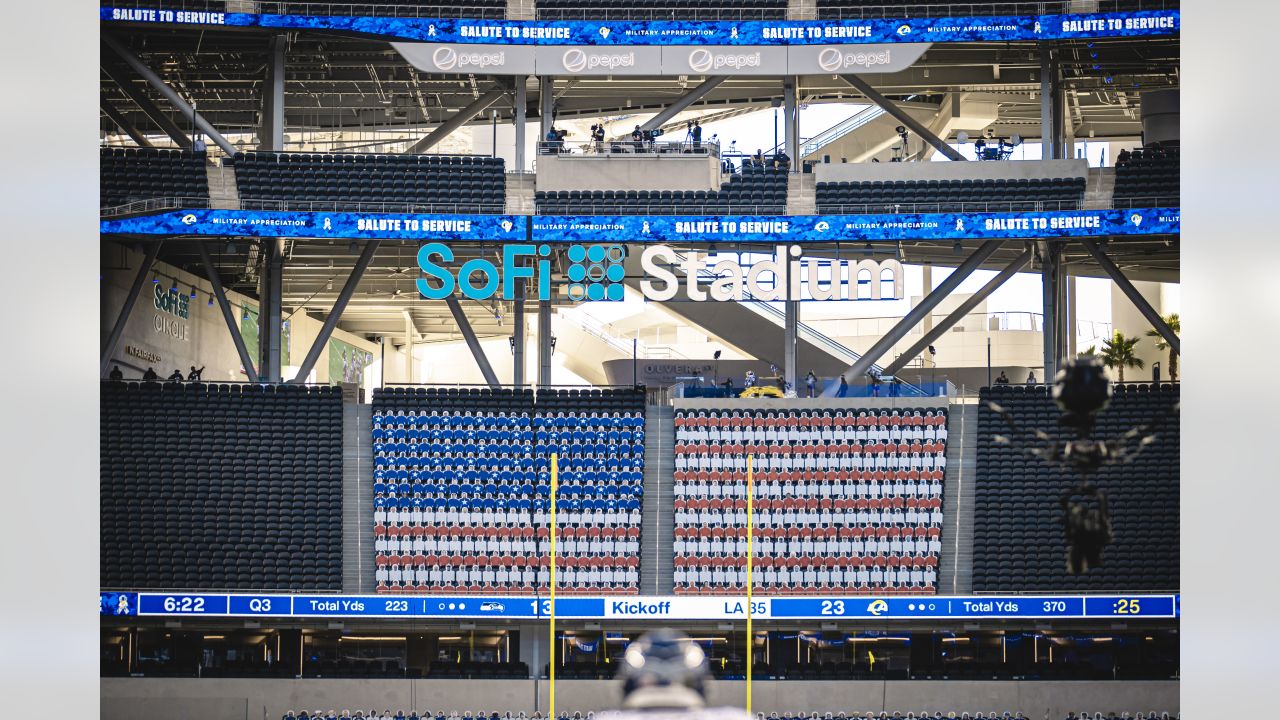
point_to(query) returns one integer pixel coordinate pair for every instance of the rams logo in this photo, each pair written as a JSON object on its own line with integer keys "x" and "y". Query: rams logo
{"x": 904, "y": 29}
{"x": 188, "y": 219}
{"x": 878, "y": 607}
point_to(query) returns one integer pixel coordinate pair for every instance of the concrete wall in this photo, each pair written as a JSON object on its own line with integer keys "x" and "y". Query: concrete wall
{"x": 230, "y": 699}
{"x": 202, "y": 338}
{"x": 1125, "y": 318}
{"x": 1007, "y": 170}
{"x": 628, "y": 172}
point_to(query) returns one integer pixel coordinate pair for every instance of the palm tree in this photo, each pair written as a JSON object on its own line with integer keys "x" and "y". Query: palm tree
{"x": 1117, "y": 353}
{"x": 1088, "y": 352}
{"x": 1175, "y": 324}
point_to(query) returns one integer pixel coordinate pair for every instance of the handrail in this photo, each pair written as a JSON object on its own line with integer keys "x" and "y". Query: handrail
{"x": 666, "y": 11}
{"x": 579, "y": 207}
{"x": 624, "y": 147}
{"x": 768, "y": 311}
{"x": 840, "y": 129}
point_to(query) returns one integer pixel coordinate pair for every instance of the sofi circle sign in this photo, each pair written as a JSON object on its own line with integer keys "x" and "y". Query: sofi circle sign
{"x": 597, "y": 272}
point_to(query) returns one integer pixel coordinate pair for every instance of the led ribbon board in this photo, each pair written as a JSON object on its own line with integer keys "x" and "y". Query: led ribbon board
{"x": 661, "y": 608}
{"x": 622, "y": 33}
{"x": 642, "y": 229}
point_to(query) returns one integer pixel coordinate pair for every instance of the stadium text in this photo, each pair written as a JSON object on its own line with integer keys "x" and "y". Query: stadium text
{"x": 779, "y": 278}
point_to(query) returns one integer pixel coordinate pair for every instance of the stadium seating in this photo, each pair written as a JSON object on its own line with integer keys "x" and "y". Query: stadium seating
{"x": 1149, "y": 178}
{"x": 694, "y": 10}
{"x": 416, "y": 183}
{"x": 925, "y": 196}
{"x": 844, "y": 499}
{"x": 221, "y": 486}
{"x": 478, "y": 519}
{"x": 135, "y": 174}
{"x": 750, "y": 192}
{"x": 477, "y": 9}
{"x": 1018, "y": 537}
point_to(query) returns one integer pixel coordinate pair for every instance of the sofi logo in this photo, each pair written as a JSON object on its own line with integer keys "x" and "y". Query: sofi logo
{"x": 833, "y": 59}
{"x": 702, "y": 60}
{"x": 448, "y": 58}
{"x": 576, "y": 60}
{"x": 595, "y": 272}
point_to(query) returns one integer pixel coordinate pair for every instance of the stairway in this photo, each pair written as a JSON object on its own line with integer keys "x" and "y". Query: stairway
{"x": 357, "y": 498}
{"x": 658, "y": 518}
{"x": 223, "y": 192}
{"x": 520, "y": 187}
{"x": 1100, "y": 189}
{"x": 802, "y": 194}
{"x": 955, "y": 567}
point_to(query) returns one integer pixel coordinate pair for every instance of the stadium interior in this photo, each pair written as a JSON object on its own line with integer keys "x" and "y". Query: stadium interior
{"x": 318, "y": 394}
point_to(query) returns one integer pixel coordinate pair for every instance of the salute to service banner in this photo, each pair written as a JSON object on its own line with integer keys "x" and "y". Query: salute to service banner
{"x": 653, "y": 228}
{"x": 621, "y": 33}
{"x": 661, "y": 608}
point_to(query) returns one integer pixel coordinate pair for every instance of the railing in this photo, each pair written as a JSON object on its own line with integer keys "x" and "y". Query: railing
{"x": 1152, "y": 201}
{"x": 827, "y": 207}
{"x": 827, "y": 10}
{"x": 577, "y": 207}
{"x": 628, "y": 147}
{"x": 778, "y": 317}
{"x": 496, "y": 11}
{"x": 154, "y": 205}
{"x": 839, "y": 130}
{"x": 495, "y": 208}
{"x": 659, "y": 13}
{"x": 833, "y": 10}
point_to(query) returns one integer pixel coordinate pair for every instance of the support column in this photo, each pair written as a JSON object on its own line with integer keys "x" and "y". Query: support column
{"x": 123, "y": 123}
{"x": 409, "y": 332}
{"x": 1134, "y": 296}
{"x": 791, "y": 321}
{"x": 473, "y": 342}
{"x": 335, "y": 313}
{"x": 270, "y": 290}
{"x": 271, "y": 134}
{"x": 790, "y": 324}
{"x": 934, "y": 332}
{"x": 1054, "y": 303}
{"x": 685, "y": 101}
{"x": 1051, "y": 110}
{"x": 169, "y": 94}
{"x": 902, "y": 116}
{"x": 126, "y": 310}
{"x": 155, "y": 114}
{"x": 546, "y": 105}
{"x": 521, "y": 102}
{"x": 1072, "y": 316}
{"x": 544, "y": 343}
{"x": 518, "y": 337}
{"x": 926, "y": 322}
{"x": 228, "y": 315}
{"x": 791, "y": 121}
{"x": 858, "y": 371}
{"x": 457, "y": 120}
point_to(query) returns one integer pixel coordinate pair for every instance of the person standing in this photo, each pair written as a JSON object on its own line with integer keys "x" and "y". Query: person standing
{"x": 150, "y": 375}
{"x": 1031, "y": 378}
{"x": 697, "y": 136}
{"x": 176, "y": 376}
{"x": 844, "y": 387}
{"x": 116, "y": 375}
{"x": 194, "y": 375}
{"x": 637, "y": 139}
{"x": 751, "y": 378}
{"x": 1002, "y": 379}
{"x": 811, "y": 382}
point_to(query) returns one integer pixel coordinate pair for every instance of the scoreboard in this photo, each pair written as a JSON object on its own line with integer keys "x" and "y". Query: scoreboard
{"x": 645, "y": 608}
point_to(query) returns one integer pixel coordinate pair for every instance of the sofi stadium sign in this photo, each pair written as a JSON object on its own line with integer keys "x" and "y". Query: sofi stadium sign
{"x": 597, "y": 272}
